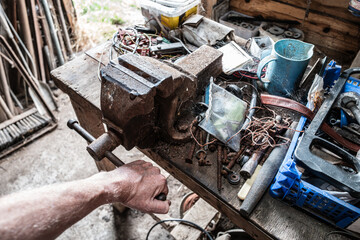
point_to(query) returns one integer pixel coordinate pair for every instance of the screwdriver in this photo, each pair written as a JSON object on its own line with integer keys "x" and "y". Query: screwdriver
{"x": 74, "y": 125}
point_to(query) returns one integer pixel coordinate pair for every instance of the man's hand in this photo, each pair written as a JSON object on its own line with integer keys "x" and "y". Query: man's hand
{"x": 46, "y": 212}
{"x": 136, "y": 185}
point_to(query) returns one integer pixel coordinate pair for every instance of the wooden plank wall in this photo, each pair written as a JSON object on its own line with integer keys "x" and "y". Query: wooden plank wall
{"x": 329, "y": 25}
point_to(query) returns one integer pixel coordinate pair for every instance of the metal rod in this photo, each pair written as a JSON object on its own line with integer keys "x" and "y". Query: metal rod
{"x": 5, "y": 108}
{"x": 73, "y": 124}
{"x": 38, "y": 40}
{"x": 64, "y": 28}
{"x": 53, "y": 31}
{"x": 47, "y": 36}
{"x": 16, "y": 100}
{"x": 28, "y": 79}
{"x": 6, "y": 88}
{"x": 58, "y": 29}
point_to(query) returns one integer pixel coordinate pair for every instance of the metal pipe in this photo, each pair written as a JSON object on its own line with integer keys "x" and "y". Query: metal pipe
{"x": 5, "y": 108}
{"x": 53, "y": 32}
{"x": 6, "y": 88}
{"x": 73, "y": 124}
{"x": 25, "y": 26}
{"x": 10, "y": 30}
{"x": 28, "y": 79}
{"x": 38, "y": 40}
{"x": 58, "y": 29}
{"x": 64, "y": 28}
{"x": 16, "y": 100}
{"x": 47, "y": 37}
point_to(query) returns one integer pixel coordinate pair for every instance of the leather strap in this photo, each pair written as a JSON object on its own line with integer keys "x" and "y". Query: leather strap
{"x": 295, "y": 106}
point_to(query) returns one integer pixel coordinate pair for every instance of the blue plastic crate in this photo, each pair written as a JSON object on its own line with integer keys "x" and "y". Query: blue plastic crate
{"x": 289, "y": 187}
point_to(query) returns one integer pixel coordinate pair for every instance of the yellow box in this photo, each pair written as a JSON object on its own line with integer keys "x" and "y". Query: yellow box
{"x": 175, "y": 22}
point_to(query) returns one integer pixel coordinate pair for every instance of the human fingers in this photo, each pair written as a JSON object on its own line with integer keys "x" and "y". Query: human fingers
{"x": 154, "y": 170}
{"x": 146, "y": 165}
{"x": 160, "y": 207}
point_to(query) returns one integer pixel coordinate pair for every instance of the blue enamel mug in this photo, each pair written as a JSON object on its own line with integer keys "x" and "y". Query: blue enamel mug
{"x": 285, "y": 66}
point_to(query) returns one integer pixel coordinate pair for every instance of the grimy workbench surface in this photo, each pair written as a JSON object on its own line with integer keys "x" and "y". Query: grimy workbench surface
{"x": 270, "y": 219}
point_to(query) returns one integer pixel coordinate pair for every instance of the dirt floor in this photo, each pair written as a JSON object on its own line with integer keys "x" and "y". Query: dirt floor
{"x": 60, "y": 156}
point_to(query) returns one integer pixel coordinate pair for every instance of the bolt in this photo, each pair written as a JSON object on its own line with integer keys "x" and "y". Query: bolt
{"x": 201, "y": 155}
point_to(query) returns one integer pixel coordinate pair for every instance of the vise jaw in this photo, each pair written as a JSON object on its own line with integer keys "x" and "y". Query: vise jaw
{"x": 141, "y": 98}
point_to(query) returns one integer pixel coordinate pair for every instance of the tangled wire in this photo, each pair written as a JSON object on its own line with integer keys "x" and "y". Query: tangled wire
{"x": 261, "y": 132}
{"x": 264, "y": 132}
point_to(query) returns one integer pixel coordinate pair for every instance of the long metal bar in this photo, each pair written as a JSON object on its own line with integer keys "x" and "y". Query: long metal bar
{"x": 53, "y": 31}
{"x": 48, "y": 46}
{"x": 64, "y": 28}
{"x": 6, "y": 88}
{"x": 5, "y": 108}
{"x": 28, "y": 79}
{"x": 38, "y": 40}
{"x": 73, "y": 124}
{"x": 58, "y": 29}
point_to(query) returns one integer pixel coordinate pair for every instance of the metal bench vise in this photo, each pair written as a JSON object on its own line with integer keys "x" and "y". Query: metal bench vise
{"x": 346, "y": 181}
{"x": 142, "y": 98}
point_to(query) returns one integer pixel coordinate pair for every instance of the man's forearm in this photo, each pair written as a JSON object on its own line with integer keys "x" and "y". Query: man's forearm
{"x": 46, "y": 212}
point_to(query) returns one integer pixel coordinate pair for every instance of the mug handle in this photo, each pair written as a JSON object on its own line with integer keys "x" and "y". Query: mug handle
{"x": 261, "y": 66}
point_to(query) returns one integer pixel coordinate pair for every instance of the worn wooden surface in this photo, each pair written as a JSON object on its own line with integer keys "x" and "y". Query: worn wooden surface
{"x": 271, "y": 218}
{"x": 329, "y": 25}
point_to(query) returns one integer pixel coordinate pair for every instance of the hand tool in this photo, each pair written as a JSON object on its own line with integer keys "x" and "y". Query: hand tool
{"x": 53, "y": 32}
{"x": 74, "y": 125}
{"x": 143, "y": 98}
{"x": 266, "y": 174}
{"x": 249, "y": 167}
{"x": 245, "y": 189}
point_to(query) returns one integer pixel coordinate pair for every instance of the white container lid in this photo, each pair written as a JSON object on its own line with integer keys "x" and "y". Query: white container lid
{"x": 157, "y": 8}
{"x": 174, "y": 3}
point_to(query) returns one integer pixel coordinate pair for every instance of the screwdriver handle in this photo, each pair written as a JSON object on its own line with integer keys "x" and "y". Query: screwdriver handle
{"x": 74, "y": 125}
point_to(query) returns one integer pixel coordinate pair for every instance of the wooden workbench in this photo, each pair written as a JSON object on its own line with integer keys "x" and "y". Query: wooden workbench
{"x": 271, "y": 219}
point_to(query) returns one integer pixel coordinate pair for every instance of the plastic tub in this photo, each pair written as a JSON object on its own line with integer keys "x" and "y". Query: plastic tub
{"x": 171, "y": 13}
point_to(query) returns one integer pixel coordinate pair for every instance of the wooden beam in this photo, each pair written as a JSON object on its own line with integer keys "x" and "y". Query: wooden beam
{"x": 325, "y": 31}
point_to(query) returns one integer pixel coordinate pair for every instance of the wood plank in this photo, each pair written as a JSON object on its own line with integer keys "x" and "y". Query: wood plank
{"x": 323, "y": 31}
{"x": 201, "y": 213}
{"x": 337, "y": 9}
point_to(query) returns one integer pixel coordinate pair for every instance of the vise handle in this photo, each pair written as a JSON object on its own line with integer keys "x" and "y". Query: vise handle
{"x": 74, "y": 125}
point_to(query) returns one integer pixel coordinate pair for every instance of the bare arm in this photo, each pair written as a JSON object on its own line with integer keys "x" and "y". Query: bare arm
{"x": 46, "y": 212}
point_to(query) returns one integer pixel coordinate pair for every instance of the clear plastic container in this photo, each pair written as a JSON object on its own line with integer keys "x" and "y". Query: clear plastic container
{"x": 171, "y": 13}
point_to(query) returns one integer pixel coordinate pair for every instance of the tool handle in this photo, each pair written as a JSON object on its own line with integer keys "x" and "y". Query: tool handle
{"x": 74, "y": 125}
